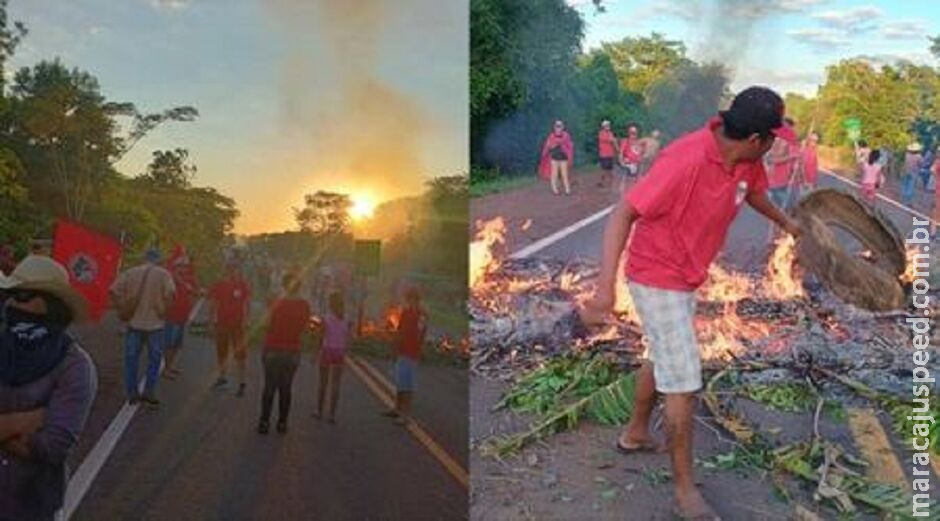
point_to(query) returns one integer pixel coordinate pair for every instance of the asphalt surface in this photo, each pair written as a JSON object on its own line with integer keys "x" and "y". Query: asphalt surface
{"x": 746, "y": 247}
{"x": 199, "y": 456}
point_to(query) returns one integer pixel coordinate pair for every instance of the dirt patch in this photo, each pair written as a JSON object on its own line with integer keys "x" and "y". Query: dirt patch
{"x": 533, "y": 212}
{"x": 579, "y": 475}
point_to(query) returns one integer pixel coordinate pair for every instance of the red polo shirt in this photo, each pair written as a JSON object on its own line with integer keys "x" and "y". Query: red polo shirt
{"x": 231, "y": 297}
{"x": 606, "y": 144}
{"x": 686, "y": 204}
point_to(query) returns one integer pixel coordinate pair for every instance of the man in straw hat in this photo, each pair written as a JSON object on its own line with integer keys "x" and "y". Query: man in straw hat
{"x": 679, "y": 215}
{"x": 144, "y": 293}
{"x": 47, "y": 385}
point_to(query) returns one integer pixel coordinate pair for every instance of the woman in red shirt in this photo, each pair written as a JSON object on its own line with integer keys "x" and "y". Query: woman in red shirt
{"x": 288, "y": 318}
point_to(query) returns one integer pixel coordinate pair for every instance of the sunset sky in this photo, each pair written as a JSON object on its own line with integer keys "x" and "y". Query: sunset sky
{"x": 785, "y": 44}
{"x": 294, "y": 95}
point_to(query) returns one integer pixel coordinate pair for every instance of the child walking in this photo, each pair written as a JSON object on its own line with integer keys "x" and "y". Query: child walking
{"x": 412, "y": 328}
{"x": 289, "y": 317}
{"x": 872, "y": 176}
{"x": 335, "y": 341}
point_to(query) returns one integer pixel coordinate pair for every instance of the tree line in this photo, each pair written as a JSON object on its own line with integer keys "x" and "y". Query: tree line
{"x": 60, "y": 142}
{"x": 528, "y": 68}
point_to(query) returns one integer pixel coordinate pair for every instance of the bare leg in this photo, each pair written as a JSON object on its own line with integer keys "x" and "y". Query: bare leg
{"x": 637, "y": 431}
{"x": 335, "y": 378}
{"x": 555, "y": 177}
{"x": 679, "y": 410}
{"x": 169, "y": 357}
{"x": 322, "y": 384}
{"x": 564, "y": 177}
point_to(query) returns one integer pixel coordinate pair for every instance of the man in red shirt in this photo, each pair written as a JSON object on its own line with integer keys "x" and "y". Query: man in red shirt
{"x": 178, "y": 313}
{"x": 679, "y": 215}
{"x": 230, "y": 298}
{"x": 412, "y": 328}
{"x": 631, "y": 154}
{"x": 606, "y": 152}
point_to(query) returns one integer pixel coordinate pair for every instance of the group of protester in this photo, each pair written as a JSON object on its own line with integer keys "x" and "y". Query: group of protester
{"x": 48, "y": 382}
{"x": 631, "y": 155}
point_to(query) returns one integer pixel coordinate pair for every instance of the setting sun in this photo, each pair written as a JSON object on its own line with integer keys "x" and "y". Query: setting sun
{"x": 363, "y": 206}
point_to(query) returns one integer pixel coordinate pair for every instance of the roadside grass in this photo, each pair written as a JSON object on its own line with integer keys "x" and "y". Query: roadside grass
{"x": 503, "y": 183}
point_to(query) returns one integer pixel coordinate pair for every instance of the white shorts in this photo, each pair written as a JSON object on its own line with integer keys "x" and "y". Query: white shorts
{"x": 668, "y": 319}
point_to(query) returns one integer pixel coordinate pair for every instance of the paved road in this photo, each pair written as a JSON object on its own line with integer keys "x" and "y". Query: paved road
{"x": 746, "y": 246}
{"x": 199, "y": 456}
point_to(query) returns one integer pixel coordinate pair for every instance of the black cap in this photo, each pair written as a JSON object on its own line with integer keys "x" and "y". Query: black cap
{"x": 757, "y": 110}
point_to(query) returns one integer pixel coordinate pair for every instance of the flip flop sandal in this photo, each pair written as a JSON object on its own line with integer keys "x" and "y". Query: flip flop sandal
{"x": 641, "y": 448}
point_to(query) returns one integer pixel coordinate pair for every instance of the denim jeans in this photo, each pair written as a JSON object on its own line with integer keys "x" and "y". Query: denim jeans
{"x": 133, "y": 342}
{"x": 907, "y": 187}
{"x": 779, "y": 196}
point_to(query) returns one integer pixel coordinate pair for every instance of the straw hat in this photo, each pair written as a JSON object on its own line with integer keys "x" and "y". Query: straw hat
{"x": 914, "y": 147}
{"x": 41, "y": 273}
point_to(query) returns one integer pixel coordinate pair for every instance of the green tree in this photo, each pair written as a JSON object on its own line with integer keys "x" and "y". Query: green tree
{"x": 68, "y": 135}
{"x": 640, "y": 62}
{"x": 324, "y": 213}
{"x": 882, "y": 98}
{"x": 171, "y": 168}
{"x": 523, "y": 58}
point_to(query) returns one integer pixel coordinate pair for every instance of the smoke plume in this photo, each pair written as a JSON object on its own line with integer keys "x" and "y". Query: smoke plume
{"x": 363, "y": 133}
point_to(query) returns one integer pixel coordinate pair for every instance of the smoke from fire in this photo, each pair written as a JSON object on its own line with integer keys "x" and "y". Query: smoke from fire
{"x": 361, "y": 131}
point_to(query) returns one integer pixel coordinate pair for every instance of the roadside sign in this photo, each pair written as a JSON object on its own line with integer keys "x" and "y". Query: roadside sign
{"x": 367, "y": 257}
{"x": 853, "y": 128}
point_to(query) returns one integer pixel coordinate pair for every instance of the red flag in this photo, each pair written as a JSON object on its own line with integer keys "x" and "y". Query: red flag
{"x": 92, "y": 260}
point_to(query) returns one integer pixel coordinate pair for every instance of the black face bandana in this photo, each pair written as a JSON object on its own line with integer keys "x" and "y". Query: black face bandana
{"x": 30, "y": 346}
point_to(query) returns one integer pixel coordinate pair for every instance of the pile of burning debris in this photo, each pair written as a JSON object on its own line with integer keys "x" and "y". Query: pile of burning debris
{"x": 524, "y": 312}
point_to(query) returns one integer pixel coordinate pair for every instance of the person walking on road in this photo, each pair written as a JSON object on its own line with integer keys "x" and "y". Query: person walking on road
{"x": 557, "y": 158}
{"x": 912, "y": 163}
{"x": 288, "y": 318}
{"x": 47, "y": 386}
{"x": 230, "y": 299}
{"x": 607, "y": 152}
{"x": 810, "y": 161}
{"x": 336, "y": 332}
{"x": 178, "y": 314}
{"x": 142, "y": 295}
{"x": 412, "y": 329}
{"x": 782, "y": 160}
{"x": 873, "y": 176}
{"x": 679, "y": 216}
{"x": 650, "y": 146}
{"x": 631, "y": 154}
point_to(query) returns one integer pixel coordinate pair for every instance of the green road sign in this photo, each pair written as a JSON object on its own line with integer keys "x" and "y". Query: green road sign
{"x": 853, "y": 128}
{"x": 368, "y": 255}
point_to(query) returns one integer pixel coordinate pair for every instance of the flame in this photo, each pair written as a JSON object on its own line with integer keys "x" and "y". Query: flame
{"x": 392, "y": 318}
{"x": 725, "y": 286}
{"x": 483, "y": 259}
{"x": 725, "y": 335}
{"x": 908, "y": 275}
{"x": 784, "y": 282}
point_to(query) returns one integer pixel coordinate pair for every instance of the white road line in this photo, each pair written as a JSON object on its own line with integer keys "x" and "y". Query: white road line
{"x": 882, "y": 197}
{"x": 86, "y": 473}
{"x": 541, "y": 244}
